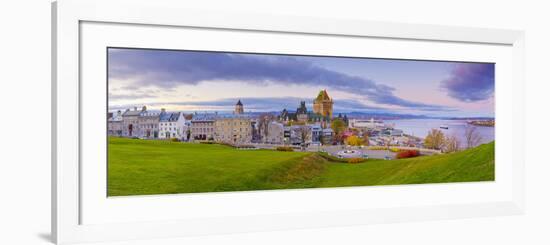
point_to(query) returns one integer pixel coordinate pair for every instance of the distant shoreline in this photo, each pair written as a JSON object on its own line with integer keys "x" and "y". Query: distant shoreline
{"x": 483, "y": 123}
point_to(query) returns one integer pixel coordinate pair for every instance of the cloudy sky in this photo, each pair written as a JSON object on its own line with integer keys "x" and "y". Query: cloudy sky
{"x": 214, "y": 81}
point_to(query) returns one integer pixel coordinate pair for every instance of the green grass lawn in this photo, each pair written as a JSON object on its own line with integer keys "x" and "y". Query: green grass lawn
{"x": 138, "y": 167}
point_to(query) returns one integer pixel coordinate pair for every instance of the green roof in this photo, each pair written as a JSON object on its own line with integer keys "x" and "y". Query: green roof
{"x": 323, "y": 95}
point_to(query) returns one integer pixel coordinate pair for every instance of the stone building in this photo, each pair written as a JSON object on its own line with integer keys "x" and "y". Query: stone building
{"x": 302, "y": 115}
{"x": 114, "y": 124}
{"x": 301, "y": 112}
{"x": 236, "y": 129}
{"x": 323, "y": 104}
{"x": 202, "y": 126}
{"x": 130, "y": 122}
{"x": 148, "y": 123}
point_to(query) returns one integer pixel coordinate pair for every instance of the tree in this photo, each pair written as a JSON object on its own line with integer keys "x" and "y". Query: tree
{"x": 473, "y": 138}
{"x": 304, "y": 132}
{"x": 188, "y": 134}
{"x": 452, "y": 144}
{"x": 296, "y": 123}
{"x": 435, "y": 139}
{"x": 338, "y": 127}
{"x": 263, "y": 124}
{"x": 366, "y": 139}
{"x": 354, "y": 141}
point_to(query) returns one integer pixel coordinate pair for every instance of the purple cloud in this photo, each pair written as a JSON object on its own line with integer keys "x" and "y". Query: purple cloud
{"x": 168, "y": 69}
{"x": 470, "y": 82}
{"x": 263, "y": 104}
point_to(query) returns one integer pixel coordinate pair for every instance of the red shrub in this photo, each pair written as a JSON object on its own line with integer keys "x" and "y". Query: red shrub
{"x": 355, "y": 160}
{"x": 407, "y": 154}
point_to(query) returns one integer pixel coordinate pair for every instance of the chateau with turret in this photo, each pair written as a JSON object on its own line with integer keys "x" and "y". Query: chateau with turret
{"x": 236, "y": 128}
{"x": 323, "y": 104}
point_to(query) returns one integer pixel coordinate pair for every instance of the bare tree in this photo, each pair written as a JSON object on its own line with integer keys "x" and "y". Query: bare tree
{"x": 263, "y": 124}
{"x": 472, "y": 136}
{"x": 452, "y": 144}
{"x": 304, "y": 132}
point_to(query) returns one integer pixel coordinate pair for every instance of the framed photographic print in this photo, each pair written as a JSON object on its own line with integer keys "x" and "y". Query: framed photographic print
{"x": 194, "y": 122}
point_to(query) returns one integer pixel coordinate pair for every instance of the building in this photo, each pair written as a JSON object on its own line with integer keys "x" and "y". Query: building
{"x": 301, "y": 112}
{"x": 233, "y": 129}
{"x": 287, "y": 116}
{"x": 239, "y": 109}
{"x": 316, "y": 133}
{"x": 172, "y": 125}
{"x": 327, "y": 135}
{"x": 130, "y": 122}
{"x": 303, "y": 115}
{"x": 393, "y": 132}
{"x": 323, "y": 104}
{"x": 275, "y": 133}
{"x": 148, "y": 123}
{"x": 202, "y": 126}
{"x": 287, "y": 133}
{"x": 366, "y": 124}
{"x": 114, "y": 124}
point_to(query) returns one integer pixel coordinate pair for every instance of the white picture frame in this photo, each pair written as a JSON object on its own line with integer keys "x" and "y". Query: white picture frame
{"x": 67, "y": 191}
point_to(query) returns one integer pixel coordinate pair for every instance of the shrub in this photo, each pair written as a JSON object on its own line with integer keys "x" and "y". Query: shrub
{"x": 226, "y": 144}
{"x": 355, "y": 160}
{"x": 377, "y": 148}
{"x": 393, "y": 149}
{"x": 207, "y": 142}
{"x": 174, "y": 139}
{"x": 407, "y": 154}
{"x": 284, "y": 148}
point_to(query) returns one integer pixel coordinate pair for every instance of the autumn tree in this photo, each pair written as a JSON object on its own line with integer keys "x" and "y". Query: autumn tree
{"x": 354, "y": 141}
{"x": 366, "y": 138}
{"x": 473, "y": 138}
{"x": 338, "y": 127}
{"x": 435, "y": 139}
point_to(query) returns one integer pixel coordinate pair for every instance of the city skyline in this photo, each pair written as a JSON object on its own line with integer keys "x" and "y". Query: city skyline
{"x": 214, "y": 81}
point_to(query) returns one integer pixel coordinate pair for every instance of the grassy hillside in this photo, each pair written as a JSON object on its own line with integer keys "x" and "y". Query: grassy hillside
{"x": 139, "y": 167}
{"x": 158, "y": 167}
{"x": 476, "y": 164}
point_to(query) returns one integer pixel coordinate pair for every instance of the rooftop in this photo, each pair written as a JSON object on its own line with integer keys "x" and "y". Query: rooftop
{"x": 323, "y": 95}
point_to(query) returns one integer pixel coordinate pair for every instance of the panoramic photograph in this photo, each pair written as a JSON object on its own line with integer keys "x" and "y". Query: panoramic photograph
{"x": 185, "y": 121}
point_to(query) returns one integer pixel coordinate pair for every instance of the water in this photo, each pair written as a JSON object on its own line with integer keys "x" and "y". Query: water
{"x": 421, "y": 128}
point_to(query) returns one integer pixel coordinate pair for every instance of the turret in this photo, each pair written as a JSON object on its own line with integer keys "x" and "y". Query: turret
{"x": 239, "y": 109}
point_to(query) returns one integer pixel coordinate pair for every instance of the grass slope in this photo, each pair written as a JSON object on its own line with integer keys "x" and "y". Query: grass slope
{"x": 158, "y": 167}
{"x": 138, "y": 167}
{"x": 476, "y": 164}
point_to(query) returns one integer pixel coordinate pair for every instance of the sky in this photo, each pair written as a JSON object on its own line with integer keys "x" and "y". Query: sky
{"x": 214, "y": 81}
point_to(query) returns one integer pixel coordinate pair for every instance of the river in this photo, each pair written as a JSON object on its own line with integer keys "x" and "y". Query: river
{"x": 421, "y": 127}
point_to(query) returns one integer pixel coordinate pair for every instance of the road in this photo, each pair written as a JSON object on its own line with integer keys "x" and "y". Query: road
{"x": 333, "y": 150}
